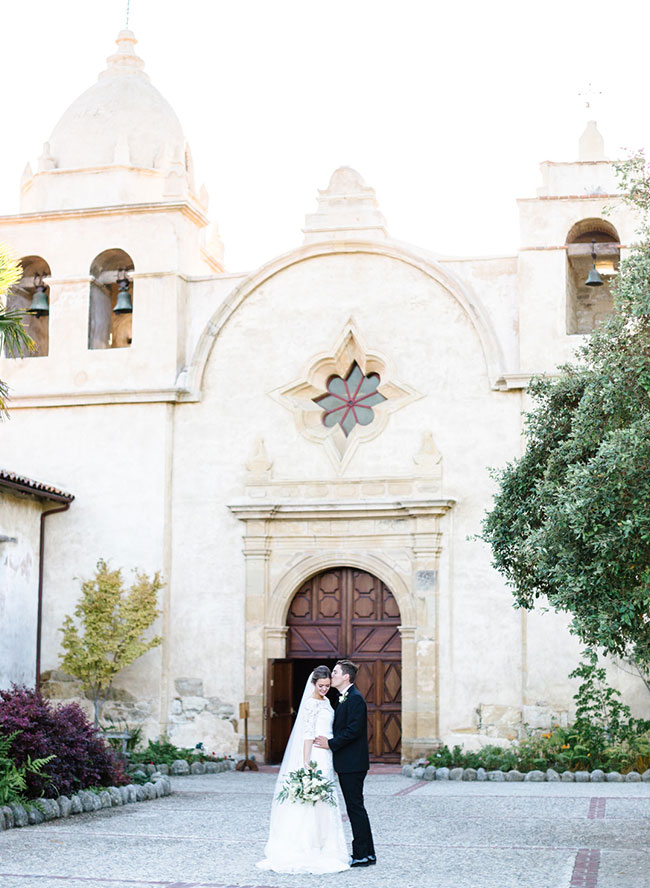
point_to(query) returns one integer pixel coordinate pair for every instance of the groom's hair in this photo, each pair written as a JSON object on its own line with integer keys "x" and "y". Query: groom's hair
{"x": 348, "y": 668}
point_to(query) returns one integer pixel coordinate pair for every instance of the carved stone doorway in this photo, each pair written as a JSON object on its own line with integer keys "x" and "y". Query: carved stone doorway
{"x": 347, "y": 612}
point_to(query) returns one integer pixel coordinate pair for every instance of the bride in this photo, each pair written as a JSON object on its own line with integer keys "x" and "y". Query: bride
{"x": 306, "y": 838}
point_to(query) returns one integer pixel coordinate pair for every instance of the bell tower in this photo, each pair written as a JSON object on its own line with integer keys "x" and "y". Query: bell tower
{"x": 577, "y": 211}
{"x": 114, "y": 224}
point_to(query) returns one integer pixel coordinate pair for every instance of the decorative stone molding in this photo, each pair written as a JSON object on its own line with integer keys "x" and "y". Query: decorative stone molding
{"x": 424, "y": 482}
{"x": 428, "y": 457}
{"x": 258, "y": 467}
{"x": 476, "y": 314}
{"x": 299, "y": 396}
{"x": 346, "y": 208}
{"x": 289, "y": 539}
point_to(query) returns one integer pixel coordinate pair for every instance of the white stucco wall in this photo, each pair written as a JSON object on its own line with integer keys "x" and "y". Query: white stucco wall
{"x": 421, "y": 328}
{"x": 113, "y": 458}
{"x": 20, "y": 521}
{"x": 154, "y": 439}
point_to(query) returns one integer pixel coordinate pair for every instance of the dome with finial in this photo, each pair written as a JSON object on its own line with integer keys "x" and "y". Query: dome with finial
{"x": 122, "y": 114}
{"x": 120, "y": 142}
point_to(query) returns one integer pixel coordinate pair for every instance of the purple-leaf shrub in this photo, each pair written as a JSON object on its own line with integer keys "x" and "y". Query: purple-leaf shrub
{"x": 82, "y": 757}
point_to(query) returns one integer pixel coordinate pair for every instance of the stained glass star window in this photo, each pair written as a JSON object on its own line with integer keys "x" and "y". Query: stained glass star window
{"x": 349, "y": 401}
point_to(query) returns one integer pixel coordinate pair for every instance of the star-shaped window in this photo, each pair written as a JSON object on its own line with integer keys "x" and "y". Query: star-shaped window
{"x": 349, "y": 401}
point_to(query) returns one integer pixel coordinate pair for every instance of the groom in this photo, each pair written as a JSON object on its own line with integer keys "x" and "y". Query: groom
{"x": 349, "y": 747}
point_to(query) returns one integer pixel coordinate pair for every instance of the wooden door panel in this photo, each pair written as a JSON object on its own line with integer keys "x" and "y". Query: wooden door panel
{"x": 391, "y": 733}
{"x": 392, "y": 683}
{"x": 301, "y": 606}
{"x": 375, "y": 640}
{"x": 365, "y": 600}
{"x": 345, "y": 612}
{"x": 390, "y": 610}
{"x": 372, "y": 733}
{"x": 365, "y": 681}
{"x": 315, "y": 640}
{"x": 279, "y": 710}
{"x": 330, "y": 582}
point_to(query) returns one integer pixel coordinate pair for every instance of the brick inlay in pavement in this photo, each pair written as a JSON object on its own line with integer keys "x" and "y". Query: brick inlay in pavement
{"x": 585, "y": 869}
{"x": 597, "y": 809}
{"x": 408, "y": 789}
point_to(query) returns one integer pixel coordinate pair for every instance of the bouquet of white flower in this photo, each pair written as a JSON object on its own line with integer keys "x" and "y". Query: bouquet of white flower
{"x": 307, "y": 786}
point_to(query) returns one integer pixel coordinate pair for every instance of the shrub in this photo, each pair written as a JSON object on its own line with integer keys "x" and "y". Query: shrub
{"x": 82, "y": 758}
{"x": 604, "y": 735}
{"x": 162, "y": 752}
{"x": 564, "y": 749}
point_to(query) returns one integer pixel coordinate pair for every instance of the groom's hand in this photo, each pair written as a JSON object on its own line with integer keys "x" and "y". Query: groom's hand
{"x": 322, "y": 743}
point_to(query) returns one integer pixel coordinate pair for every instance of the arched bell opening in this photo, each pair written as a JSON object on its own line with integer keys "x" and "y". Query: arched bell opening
{"x": 111, "y": 300}
{"x": 593, "y": 257}
{"x": 342, "y": 612}
{"x": 32, "y": 294}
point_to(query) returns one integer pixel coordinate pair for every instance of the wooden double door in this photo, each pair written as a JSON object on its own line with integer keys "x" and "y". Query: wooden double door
{"x": 341, "y": 613}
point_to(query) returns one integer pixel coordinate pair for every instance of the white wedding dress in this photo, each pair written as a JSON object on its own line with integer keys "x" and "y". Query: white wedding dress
{"x": 305, "y": 838}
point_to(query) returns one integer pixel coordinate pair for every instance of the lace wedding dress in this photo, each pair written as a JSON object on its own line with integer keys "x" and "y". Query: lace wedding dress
{"x": 305, "y": 838}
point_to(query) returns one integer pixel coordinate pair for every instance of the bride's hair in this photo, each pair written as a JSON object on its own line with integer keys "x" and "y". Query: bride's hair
{"x": 319, "y": 673}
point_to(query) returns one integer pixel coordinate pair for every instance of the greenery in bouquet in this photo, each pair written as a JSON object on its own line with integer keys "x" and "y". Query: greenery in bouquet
{"x": 307, "y": 786}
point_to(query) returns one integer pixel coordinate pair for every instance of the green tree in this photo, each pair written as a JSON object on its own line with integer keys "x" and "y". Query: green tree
{"x": 110, "y": 635}
{"x": 571, "y": 519}
{"x": 14, "y": 339}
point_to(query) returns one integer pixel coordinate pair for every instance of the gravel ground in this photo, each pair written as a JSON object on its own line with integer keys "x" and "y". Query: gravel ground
{"x": 212, "y": 830}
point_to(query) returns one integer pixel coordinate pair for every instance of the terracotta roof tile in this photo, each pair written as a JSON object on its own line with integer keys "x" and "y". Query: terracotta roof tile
{"x": 21, "y": 484}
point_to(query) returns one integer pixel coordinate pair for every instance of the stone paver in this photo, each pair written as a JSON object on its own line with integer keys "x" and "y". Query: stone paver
{"x": 212, "y": 830}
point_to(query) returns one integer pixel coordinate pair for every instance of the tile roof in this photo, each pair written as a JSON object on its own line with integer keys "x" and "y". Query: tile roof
{"x": 27, "y": 486}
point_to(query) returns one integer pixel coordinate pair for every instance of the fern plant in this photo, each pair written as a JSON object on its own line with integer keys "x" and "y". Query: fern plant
{"x": 13, "y": 781}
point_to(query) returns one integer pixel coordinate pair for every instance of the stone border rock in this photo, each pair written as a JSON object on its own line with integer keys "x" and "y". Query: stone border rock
{"x": 16, "y": 815}
{"x": 430, "y": 772}
{"x": 181, "y": 768}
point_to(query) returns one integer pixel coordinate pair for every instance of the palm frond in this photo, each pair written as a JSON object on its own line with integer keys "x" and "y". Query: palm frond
{"x": 10, "y": 269}
{"x": 13, "y": 335}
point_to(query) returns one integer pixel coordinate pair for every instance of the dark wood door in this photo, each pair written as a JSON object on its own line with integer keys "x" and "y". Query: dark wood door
{"x": 346, "y": 612}
{"x": 279, "y": 709}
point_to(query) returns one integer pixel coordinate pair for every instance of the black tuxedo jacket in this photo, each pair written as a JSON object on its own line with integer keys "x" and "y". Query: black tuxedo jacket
{"x": 349, "y": 744}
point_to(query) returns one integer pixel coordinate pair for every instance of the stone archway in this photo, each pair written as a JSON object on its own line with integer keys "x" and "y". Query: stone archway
{"x": 289, "y": 541}
{"x": 349, "y": 612}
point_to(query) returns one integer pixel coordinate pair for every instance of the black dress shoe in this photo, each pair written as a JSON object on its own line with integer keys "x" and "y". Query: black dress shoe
{"x": 361, "y": 861}
{"x": 371, "y": 859}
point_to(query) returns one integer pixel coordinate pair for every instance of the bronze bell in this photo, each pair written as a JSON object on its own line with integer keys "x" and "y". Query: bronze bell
{"x": 40, "y": 304}
{"x": 593, "y": 278}
{"x": 123, "y": 304}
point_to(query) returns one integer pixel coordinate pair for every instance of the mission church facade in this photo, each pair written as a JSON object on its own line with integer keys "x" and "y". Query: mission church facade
{"x": 302, "y": 451}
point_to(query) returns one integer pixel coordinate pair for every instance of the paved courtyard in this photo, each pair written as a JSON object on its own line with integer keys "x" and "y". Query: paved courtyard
{"x": 210, "y": 832}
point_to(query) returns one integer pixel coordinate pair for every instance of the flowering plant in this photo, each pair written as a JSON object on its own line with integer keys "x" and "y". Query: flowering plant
{"x": 307, "y": 786}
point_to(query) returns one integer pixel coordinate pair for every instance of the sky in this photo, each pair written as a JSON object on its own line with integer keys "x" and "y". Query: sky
{"x": 445, "y": 109}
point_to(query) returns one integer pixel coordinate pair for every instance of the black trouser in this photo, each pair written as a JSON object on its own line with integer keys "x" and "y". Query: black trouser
{"x": 352, "y": 789}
